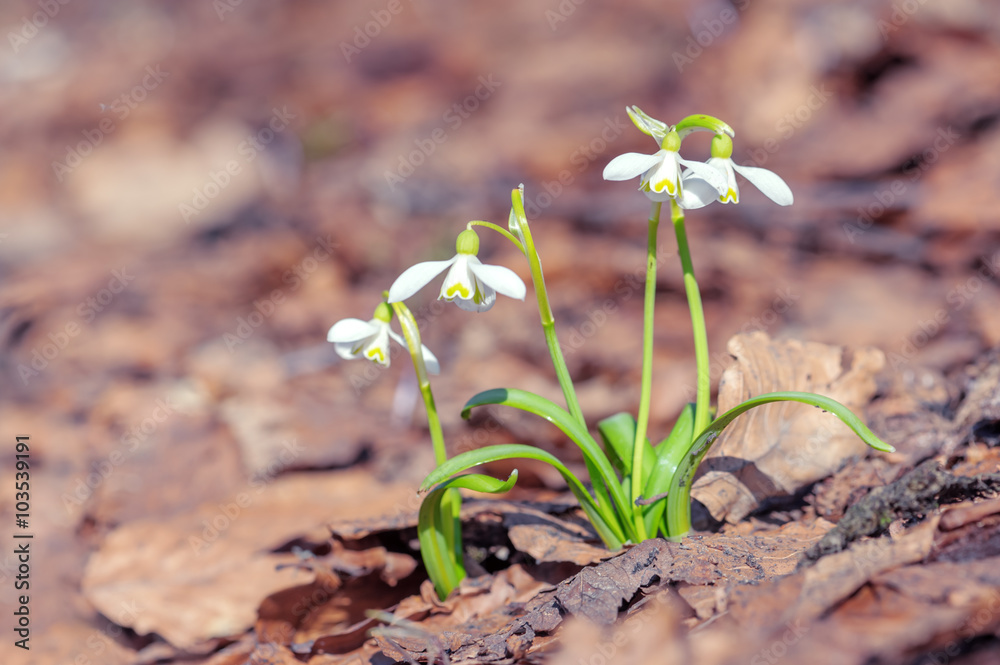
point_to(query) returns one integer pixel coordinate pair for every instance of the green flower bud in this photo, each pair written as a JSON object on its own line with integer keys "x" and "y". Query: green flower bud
{"x": 383, "y": 312}
{"x": 672, "y": 141}
{"x": 722, "y": 146}
{"x": 467, "y": 242}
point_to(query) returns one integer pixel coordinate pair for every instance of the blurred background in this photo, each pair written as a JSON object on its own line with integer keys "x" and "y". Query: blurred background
{"x": 191, "y": 194}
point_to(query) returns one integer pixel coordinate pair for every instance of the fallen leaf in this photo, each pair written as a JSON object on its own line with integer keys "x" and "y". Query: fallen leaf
{"x": 773, "y": 451}
{"x": 202, "y": 575}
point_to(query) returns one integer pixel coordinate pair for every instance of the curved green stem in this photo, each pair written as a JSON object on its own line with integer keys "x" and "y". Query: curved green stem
{"x": 499, "y": 229}
{"x": 642, "y": 422}
{"x": 545, "y": 311}
{"x": 412, "y": 335}
{"x": 678, "y": 515}
{"x": 702, "y": 412}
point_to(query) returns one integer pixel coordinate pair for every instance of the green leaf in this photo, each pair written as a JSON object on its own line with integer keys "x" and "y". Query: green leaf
{"x": 442, "y": 559}
{"x": 609, "y": 531}
{"x": 679, "y": 497}
{"x": 618, "y": 434}
{"x": 602, "y": 474}
{"x": 668, "y": 455}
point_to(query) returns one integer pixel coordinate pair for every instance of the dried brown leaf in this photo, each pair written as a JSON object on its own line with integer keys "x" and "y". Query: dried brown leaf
{"x": 775, "y": 450}
{"x": 202, "y": 575}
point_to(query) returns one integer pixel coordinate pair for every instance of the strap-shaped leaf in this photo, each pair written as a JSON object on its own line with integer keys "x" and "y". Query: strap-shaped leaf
{"x": 618, "y": 435}
{"x": 668, "y": 456}
{"x": 610, "y": 531}
{"x": 679, "y": 494}
{"x": 442, "y": 559}
{"x": 602, "y": 474}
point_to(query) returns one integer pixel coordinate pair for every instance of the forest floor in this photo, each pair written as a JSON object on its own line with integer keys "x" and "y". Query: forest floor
{"x": 193, "y": 194}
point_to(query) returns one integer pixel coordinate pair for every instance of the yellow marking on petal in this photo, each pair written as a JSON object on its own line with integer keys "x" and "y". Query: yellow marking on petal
{"x": 375, "y": 354}
{"x": 461, "y": 289}
{"x": 729, "y": 197}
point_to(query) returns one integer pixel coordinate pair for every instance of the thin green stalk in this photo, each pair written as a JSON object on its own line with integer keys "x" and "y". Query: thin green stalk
{"x": 702, "y": 413}
{"x": 499, "y": 229}
{"x": 545, "y": 312}
{"x": 642, "y": 422}
{"x": 412, "y": 335}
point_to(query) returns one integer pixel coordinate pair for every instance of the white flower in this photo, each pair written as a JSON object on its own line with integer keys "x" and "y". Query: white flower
{"x": 354, "y": 338}
{"x": 698, "y": 193}
{"x": 470, "y": 283}
{"x": 661, "y": 177}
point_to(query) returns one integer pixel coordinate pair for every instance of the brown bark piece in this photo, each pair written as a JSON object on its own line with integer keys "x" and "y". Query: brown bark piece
{"x": 916, "y": 494}
{"x": 775, "y": 450}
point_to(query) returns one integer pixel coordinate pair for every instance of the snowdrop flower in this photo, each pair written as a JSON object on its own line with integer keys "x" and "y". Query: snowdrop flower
{"x": 470, "y": 284}
{"x": 660, "y": 173}
{"x": 698, "y": 192}
{"x": 354, "y": 338}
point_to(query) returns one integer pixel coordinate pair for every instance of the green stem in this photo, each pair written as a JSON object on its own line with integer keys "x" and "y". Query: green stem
{"x": 642, "y": 422}
{"x": 545, "y": 312}
{"x": 702, "y": 412}
{"x": 412, "y": 335}
{"x": 499, "y": 229}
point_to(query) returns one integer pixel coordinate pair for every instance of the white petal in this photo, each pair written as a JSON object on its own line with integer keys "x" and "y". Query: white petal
{"x": 430, "y": 360}
{"x": 656, "y": 196}
{"x": 502, "y": 280}
{"x": 711, "y": 174}
{"x": 459, "y": 282}
{"x": 346, "y": 350}
{"x": 487, "y": 297}
{"x": 376, "y": 348}
{"x": 351, "y": 330}
{"x": 630, "y": 165}
{"x": 416, "y": 277}
{"x": 664, "y": 177}
{"x": 769, "y": 182}
{"x": 697, "y": 193}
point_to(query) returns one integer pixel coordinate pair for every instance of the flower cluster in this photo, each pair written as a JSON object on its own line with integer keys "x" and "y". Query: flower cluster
{"x": 661, "y": 177}
{"x": 470, "y": 284}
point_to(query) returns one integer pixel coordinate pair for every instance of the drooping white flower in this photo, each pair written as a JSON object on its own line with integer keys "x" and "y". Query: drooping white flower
{"x": 470, "y": 283}
{"x": 698, "y": 192}
{"x": 354, "y": 338}
{"x": 660, "y": 173}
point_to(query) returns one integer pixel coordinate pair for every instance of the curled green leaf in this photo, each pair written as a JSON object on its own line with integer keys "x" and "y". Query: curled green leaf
{"x": 442, "y": 559}
{"x": 679, "y": 494}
